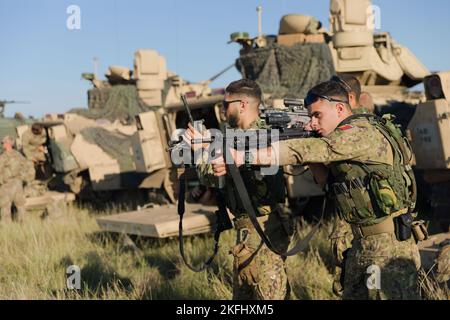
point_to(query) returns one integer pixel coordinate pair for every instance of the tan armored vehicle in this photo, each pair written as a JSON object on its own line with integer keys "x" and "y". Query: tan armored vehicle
{"x": 429, "y": 130}
{"x": 102, "y": 153}
{"x": 286, "y": 65}
{"x": 161, "y": 91}
{"x": 304, "y": 53}
{"x": 384, "y": 67}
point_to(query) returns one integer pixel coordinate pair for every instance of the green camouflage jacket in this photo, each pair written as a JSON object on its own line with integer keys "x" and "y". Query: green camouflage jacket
{"x": 357, "y": 141}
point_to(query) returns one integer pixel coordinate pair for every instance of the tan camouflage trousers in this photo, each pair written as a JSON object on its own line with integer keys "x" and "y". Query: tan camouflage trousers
{"x": 396, "y": 263}
{"x": 12, "y": 193}
{"x": 260, "y": 274}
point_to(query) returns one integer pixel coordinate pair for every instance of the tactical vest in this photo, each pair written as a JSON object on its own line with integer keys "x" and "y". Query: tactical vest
{"x": 264, "y": 191}
{"x": 366, "y": 194}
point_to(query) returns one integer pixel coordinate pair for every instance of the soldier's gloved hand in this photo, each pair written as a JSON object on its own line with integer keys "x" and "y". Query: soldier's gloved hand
{"x": 338, "y": 246}
{"x": 340, "y": 241}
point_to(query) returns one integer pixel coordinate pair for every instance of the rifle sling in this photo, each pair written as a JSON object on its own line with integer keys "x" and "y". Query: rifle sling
{"x": 181, "y": 210}
{"x": 300, "y": 245}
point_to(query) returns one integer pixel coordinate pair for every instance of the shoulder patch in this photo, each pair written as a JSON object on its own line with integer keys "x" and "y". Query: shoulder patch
{"x": 345, "y": 127}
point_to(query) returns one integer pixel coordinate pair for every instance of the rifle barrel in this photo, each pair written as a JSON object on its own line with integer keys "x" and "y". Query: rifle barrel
{"x": 188, "y": 110}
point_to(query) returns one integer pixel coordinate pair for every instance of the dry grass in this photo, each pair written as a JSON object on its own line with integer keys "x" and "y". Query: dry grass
{"x": 34, "y": 257}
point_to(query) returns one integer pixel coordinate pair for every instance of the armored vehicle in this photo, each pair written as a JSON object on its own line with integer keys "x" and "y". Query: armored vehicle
{"x": 428, "y": 131}
{"x": 302, "y": 54}
{"x": 116, "y": 148}
{"x": 295, "y": 59}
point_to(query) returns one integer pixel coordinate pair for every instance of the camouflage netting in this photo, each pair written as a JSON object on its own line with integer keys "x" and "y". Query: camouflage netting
{"x": 115, "y": 144}
{"x": 120, "y": 102}
{"x": 287, "y": 72}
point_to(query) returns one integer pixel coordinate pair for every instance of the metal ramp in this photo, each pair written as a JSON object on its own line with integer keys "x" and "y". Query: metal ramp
{"x": 160, "y": 221}
{"x": 49, "y": 197}
{"x": 429, "y": 249}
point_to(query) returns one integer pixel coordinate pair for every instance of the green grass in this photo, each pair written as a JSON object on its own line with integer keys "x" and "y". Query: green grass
{"x": 34, "y": 257}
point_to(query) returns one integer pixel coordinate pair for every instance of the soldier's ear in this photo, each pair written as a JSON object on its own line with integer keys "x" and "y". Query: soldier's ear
{"x": 243, "y": 105}
{"x": 351, "y": 96}
{"x": 343, "y": 109}
{"x": 340, "y": 107}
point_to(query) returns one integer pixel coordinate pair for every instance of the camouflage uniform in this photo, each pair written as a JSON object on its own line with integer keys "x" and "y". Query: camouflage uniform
{"x": 16, "y": 170}
{"x": 31, "y": 144}
{"x": 360, "y": 110}
{"x": 258, "y": 272}
{"x": 341, "y": 239}
{"x": 353, "y": 146}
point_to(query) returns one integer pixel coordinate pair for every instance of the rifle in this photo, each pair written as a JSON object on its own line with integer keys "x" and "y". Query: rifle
{"x": 223, "y": 221}
{"x": 289, "y": 123}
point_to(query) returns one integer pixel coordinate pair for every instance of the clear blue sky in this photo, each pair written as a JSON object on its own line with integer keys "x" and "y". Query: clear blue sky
{"x": 41, "y": 60}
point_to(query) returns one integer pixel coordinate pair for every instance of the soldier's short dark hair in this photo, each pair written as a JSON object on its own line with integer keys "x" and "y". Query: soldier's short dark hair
{"x": 353, "y": 83}
{"x": 245, "y": 86}
{"x": 331, "y": 89}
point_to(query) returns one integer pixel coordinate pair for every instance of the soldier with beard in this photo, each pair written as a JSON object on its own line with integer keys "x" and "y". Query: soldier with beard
{"x": 259, "y": 273}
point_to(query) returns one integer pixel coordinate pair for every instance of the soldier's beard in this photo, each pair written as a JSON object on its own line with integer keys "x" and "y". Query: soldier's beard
{"x": 233, "y": 120}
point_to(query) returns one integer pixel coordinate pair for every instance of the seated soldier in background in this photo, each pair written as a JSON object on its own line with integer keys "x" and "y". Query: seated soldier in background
{"x": 16, "y": 171}
{"x": 33, "y": 147}
{"x": 366, "y": 102}
{"x": 33, "y": 141}
{"x": 353, "y": 87}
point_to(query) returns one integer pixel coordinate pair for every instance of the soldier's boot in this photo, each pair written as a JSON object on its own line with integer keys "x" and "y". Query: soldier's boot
{"x": 5, "y": 214}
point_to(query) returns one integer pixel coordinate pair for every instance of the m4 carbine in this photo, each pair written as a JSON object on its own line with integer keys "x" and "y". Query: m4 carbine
{"x": 282, "y": 124}
{"x": 223, "y": 221}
